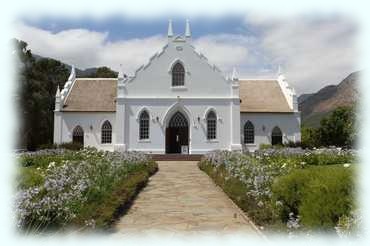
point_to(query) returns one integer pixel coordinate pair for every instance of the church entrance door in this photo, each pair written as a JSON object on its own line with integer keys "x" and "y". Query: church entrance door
{"x": 177, "y": 134}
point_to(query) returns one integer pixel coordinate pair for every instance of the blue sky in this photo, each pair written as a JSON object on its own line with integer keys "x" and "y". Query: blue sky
{"x": 312, "y": 50}
{"x": 126, "y": 28}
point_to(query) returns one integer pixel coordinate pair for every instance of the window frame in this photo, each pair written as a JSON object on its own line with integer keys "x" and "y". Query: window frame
{"x": 106, "y": 133}
{"x": 211, "y": 129}
{"x": 249, "y": 128}
{"x": 178, "y": 77}
{"x": 144, "y": 133}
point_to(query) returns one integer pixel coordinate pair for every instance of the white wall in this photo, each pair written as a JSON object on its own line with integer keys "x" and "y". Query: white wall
{"x": 91, "y": 124}
{"x": 289, "y": 123}
{"x": 164, "y": 109}
{"x": 202, "y": 80}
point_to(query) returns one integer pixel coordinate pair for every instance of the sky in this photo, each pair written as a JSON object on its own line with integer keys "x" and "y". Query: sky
{"x": 312, "y": 50}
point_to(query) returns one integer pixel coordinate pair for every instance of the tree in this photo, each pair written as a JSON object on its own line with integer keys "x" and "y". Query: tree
{"x": 104, "y": 72}
{"x": 38, "y": 81}
{"x": 310, "y": 137}
{"x": 338, "y": 128}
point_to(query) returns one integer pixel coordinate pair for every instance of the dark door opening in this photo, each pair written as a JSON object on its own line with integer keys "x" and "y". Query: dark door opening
{"x": 177, "y": 133}
{"x": 276, "y": 136}
{"x": 78, "y": 135}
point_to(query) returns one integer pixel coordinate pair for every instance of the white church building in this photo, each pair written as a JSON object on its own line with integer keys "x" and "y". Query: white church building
{"x": 176, "y": 103}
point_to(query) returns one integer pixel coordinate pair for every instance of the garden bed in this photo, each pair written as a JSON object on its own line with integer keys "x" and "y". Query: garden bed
{"x": 286, "y": 189}
{"x": 60, "y": 189}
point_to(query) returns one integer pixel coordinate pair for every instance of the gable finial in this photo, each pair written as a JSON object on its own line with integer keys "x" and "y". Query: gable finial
{"x": 234, "y": 75}
{"x": 170, "y": 31}
{"x": 187, "y": 29}
{"x": 280, "y": 72}
{"x": 72, "y": 76}
{"x": 58, "y": 92}
{"x": 120, "y": 72}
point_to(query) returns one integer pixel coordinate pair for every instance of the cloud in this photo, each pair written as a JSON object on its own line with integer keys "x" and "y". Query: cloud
{"x": 85, "y": 48}
{"x": 313, "y": 51}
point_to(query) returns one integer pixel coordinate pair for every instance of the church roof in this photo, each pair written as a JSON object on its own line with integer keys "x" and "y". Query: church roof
{"x": 262, "y": 96}
{"x": 99, "y": 95}
{"x": 92, "y": 95}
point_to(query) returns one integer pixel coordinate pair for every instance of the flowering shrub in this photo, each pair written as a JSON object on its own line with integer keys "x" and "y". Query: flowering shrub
{"x": 71, "y": 189}
{"x": 249, "y": 179}
{"x": 349, "y": 225}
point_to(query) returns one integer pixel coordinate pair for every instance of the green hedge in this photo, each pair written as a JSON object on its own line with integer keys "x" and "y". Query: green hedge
{"x": 319, "y": 195}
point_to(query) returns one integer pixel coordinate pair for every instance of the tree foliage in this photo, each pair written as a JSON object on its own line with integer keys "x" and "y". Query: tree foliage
{"x": 103, "y": 72}
{"x": 337, "y": 129}
{"x": 38, "y": 81}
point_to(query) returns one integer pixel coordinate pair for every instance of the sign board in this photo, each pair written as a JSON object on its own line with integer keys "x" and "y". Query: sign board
{"x": 184, "y": 149}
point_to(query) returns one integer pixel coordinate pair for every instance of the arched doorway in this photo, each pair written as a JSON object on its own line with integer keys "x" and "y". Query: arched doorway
{"x": 78, "y": 135}
{"x": 177, "y": 133}
{"x": 276, "y": 136}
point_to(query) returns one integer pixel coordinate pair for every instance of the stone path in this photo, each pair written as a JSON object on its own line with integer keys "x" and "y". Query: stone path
{"x": 180, "y": 197}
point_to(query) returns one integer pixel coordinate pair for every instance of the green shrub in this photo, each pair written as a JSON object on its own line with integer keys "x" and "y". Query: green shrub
{"x": 71, "y": 146}
{"x": 265, "y": 146}
{"x": 320, "y": 195}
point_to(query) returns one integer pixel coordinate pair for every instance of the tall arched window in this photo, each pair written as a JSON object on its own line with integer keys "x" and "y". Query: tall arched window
{"x": 276, "y": 136}
{"x": 106, "y": 132}
{"x": 178, "y": 75}
{"x": 78, "y": 135}
{"x": 144, "y": 125}
{"x": 211, "y": 125}
{"x": 248, "y": 133}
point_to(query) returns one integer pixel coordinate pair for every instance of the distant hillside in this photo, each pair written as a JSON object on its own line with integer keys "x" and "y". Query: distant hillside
{"x": 317, "y": 105}
{"x": 80, "y": 73}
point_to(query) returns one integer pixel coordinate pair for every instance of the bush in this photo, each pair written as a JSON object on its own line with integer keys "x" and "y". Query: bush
{"x": 270, "y": 185}
{"x": 71, "y": 146}
{"x": 265, "y": 146}
{"x": 320, "y": 195}
{"x": 310, "y": 137}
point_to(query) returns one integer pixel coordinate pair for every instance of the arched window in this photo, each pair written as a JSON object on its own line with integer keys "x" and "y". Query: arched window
{"x": 276, "y": 136}
{"x": 248, "y": 133}
{"x": 211, "y": 125}
{"x": 144, "y": 125}
{"x": 106, "y": 132}
{"x": 78, "y": 135}
{"x": 178, "y": 75}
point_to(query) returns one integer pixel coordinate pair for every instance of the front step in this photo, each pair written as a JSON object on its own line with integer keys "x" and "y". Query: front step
{"x": 176, "y": 157}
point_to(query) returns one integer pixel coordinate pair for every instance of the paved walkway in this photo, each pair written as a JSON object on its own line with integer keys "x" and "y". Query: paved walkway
{"x": 180, "y": 197}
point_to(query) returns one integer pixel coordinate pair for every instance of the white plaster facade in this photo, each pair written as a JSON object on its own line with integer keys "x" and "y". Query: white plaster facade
{"x": 150, "y": 89}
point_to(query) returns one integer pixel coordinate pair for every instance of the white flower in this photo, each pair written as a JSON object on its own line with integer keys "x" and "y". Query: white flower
{"x": 346, "y": 165}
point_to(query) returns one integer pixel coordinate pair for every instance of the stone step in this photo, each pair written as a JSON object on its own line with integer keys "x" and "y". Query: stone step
{"x": 176, "y": 157}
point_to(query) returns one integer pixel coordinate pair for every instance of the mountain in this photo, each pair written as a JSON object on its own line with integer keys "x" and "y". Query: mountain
{"x": 317, "y": 105}
{"x": 80, "y": 73}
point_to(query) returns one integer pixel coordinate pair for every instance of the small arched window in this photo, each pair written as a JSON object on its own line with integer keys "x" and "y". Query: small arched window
{"x": 106, "y": 133}
{"x": 78, "y": 135}
{"x": 248, "y": 133}
{"x": 178, "y": 75}
{"x": 276, "y": 136}
{"x": 144, "y": 125}
{"x": 211, "y": 125}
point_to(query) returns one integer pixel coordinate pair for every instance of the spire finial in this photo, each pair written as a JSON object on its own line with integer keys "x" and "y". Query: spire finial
{"x": 58, "y": 92}
{"x": 279, "y": 70}
{"x": 170, "y": 31}
{"x": 72, "y": 76}
{"x": 187, "y": 29}
{"x": 120, "y": 72}
{"x": 234, "y": 75}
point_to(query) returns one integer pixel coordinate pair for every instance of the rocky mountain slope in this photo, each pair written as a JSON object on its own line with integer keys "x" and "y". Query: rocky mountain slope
{"x": 315, "y": 106}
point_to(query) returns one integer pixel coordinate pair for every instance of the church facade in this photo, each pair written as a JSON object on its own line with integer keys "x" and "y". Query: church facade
{"x": 176, "y": 103}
